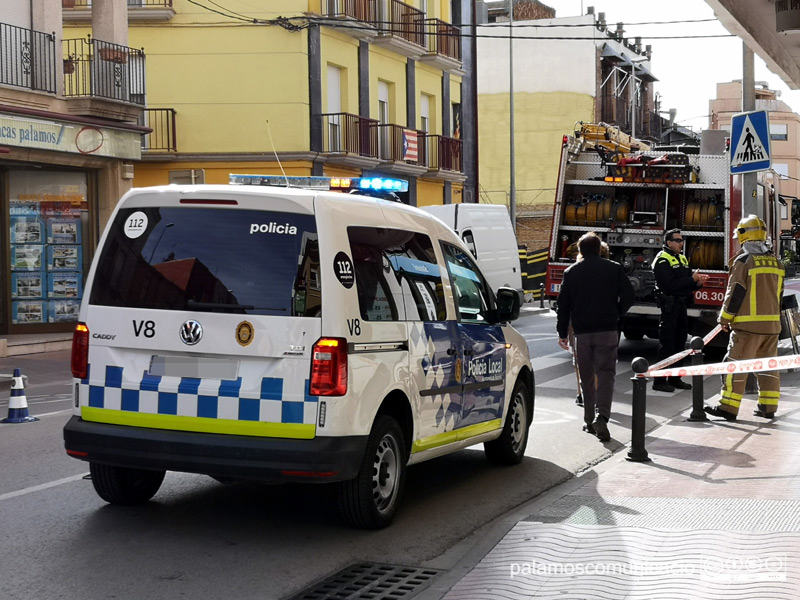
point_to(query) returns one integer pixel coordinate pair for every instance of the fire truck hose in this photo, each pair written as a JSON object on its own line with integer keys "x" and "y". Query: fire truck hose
{"x": 683, "y": 354}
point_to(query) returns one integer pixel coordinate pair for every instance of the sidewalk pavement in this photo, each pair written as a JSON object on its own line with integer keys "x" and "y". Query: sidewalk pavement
{"x": 715, "y": 514}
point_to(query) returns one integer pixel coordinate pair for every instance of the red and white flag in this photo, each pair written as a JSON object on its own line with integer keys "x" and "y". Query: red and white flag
{"x": 410, "y": 151}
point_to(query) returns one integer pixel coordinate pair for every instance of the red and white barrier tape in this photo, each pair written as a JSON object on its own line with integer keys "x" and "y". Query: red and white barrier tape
{"x": 753, "y": 365}
{"x": 683, "y": 354}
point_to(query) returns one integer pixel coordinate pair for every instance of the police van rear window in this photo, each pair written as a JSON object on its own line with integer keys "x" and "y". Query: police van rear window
{"x": 210, "y": 260}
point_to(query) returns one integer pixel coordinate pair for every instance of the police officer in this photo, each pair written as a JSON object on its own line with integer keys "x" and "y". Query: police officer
{"x": 675, "y": 283}
{"x": 751, "y": 312}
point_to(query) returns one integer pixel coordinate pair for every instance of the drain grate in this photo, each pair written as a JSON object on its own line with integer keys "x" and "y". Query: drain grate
{"x": 370, "y": 581}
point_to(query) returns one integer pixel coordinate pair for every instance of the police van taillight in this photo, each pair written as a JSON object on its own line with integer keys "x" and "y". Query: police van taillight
{"x": 80, "y": 351}
{"x": 329, "y": 367}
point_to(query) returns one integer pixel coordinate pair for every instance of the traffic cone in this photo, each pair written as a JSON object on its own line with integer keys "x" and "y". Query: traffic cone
{"x": 17, "y": 402}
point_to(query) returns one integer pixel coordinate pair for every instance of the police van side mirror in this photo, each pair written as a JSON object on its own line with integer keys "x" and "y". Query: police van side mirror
{"x": 508, "y": 302}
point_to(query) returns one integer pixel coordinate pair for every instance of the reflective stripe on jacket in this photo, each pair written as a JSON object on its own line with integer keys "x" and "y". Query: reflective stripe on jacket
{"x": 753, "y": 298}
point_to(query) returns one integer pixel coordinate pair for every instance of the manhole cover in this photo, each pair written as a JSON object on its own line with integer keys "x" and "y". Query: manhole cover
{"x": 372, "y": 581}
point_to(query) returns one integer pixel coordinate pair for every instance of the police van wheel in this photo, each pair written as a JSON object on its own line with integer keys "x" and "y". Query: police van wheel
{"x": 370, "y": 500}
{"x": 509, "y": 448}
{"x": 121, "y": 485}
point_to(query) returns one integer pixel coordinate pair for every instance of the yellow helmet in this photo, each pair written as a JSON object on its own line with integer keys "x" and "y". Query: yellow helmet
{"x": 750, "y": 229}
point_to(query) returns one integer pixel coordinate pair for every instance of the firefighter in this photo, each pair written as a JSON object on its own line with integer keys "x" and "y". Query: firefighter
{"x": 675, "y": 284}
{"x": 751, "y": 312}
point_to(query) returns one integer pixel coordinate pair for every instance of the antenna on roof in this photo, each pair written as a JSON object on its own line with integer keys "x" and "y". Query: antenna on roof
{"x": 269, "y": 133}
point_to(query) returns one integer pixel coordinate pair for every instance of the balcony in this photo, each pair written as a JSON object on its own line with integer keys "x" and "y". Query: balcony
{"x": 163, "y": 137}
{"x": 350, "y": 140}
{"x": 105, "y": 80}
{"x": 445, "y": 157}
{"x": 401, "y": 28}
{"x": 354, "y": 17}
{"x": 401, "y": 150}
{"x": 139, "y": 11}
{"x": 27, "y": 59}
{"x": 443, "y": 45}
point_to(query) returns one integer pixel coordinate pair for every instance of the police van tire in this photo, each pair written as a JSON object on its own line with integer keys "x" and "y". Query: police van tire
{"x": 509, "y": 448}
{"x": 122, "y": 485}
{"x": 370, "y": 500}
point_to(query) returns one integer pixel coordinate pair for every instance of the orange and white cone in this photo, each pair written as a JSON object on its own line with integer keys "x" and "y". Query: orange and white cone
{"x": 17, "y": 402}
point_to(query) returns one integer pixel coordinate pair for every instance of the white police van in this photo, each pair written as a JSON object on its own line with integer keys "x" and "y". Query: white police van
{"x": 279, "y": 334}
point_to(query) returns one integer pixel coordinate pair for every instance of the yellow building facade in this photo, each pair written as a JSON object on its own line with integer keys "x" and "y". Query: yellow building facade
{"x": 323, "y": 88}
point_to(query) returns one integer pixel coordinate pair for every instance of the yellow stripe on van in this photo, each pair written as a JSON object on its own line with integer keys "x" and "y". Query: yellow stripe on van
{"x": 296, "y": 431}
{"x": 441, "y": 439}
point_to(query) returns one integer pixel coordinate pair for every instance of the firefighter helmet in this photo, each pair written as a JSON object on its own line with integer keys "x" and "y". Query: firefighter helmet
{"x": 750, "y": 229}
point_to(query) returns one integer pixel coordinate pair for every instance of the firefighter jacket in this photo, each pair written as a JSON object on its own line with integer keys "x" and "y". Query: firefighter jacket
{"x": 673, "y": 276}
{"x": 753, "y": 299}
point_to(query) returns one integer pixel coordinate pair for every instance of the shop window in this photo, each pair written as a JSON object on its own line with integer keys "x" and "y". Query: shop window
{"x": 48, "y": 217}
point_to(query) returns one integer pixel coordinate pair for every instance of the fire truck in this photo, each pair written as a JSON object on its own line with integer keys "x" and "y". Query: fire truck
{"x": 630, "y": 196}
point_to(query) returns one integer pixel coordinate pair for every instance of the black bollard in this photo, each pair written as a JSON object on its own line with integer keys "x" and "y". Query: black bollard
{"x": 541, "y": 295}
{"x": 638, "y": 453}
{"x": 698, "y": 414}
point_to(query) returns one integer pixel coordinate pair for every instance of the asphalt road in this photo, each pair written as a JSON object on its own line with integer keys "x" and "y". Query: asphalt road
{"x": 202, "y": 539}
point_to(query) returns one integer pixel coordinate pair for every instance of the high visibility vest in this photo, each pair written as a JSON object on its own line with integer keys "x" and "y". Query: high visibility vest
{"x": 674, "y": 261}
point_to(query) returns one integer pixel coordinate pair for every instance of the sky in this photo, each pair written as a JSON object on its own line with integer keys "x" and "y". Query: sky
{"x": 687, "y": 69}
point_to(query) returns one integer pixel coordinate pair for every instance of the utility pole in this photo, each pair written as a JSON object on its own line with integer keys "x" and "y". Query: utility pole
{"x": 749, "y": 180}
{"x": 512, "y": 194}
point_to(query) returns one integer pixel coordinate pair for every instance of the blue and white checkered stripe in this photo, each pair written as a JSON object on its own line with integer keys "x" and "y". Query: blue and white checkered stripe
{"x": 192, "y": 397}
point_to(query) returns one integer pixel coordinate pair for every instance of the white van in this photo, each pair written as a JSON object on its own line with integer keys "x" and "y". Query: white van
{"x": 282, "y": 334}
{"x": 487, "y": 231}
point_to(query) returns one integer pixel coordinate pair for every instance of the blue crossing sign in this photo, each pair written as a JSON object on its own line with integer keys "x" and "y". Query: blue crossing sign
{"x": 750, "y": 142}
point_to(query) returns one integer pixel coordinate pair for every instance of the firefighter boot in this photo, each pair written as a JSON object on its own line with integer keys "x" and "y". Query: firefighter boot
{"x": 719, "y": 411}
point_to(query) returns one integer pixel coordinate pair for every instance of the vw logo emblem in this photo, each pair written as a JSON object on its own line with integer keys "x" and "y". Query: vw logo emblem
{"x": 191, "y": 332}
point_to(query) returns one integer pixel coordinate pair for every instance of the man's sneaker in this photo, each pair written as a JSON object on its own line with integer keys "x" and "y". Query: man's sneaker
{"x": 661, "y": 385}
{"x": 678, "y": 384}
{"x": 588, "y": 428}
{"x": 764, "y": 415}
{"x": 601, "y": 429}
{"x": 716, "y": 411}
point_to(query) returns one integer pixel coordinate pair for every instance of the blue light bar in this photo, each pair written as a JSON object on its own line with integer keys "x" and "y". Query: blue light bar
{"x": 312, "y": 183}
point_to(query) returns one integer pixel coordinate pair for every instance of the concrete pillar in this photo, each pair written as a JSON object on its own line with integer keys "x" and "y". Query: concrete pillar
{"x": 46, "y": 16}
{"x": 110, "y": 21}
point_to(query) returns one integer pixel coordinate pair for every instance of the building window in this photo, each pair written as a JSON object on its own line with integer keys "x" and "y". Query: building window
{"x": 778, "y": 131}
{"x": 781, "y": 169}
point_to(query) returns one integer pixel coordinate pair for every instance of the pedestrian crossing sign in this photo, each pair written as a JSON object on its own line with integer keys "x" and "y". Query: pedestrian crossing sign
{"x": 750, "y": 142}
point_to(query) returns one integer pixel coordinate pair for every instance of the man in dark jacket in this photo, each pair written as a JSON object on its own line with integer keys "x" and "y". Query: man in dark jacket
{"x": 675, "y": 284}
{"x": 595, "y": 293}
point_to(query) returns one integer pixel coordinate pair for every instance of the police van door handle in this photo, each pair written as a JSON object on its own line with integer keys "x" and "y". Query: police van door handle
{"x": 452, "y": 351}
{"x": 469, "y": 352}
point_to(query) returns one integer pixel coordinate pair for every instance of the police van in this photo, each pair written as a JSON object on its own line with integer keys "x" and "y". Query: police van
{"x": 285, "y": 334}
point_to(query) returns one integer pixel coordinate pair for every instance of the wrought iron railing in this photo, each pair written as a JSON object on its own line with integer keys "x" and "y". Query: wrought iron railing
{"x": 99, "y": 69}
{"x": 443, "y": 38}
{"x": 444, "y": 153}
{"x": 163, "y": 136}
{"x": 361, "y": 10}
{"x": 86, "y": 4}
{"x": 344, "y": 133}
{"x": 27, "y": 58}
{"x": 401, "y": 144}
{"x": 402, "y": 20}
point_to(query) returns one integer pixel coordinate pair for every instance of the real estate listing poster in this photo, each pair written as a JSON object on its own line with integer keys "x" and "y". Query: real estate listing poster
{"x": 26, "y": 230}
{"x": 63, "y": 231}
{"x": 64, "y": 285}
{"x": 26, "y": 257}
{"x": 64, "y": 258}
{"x": 27, "y": 285}
{"x": 64, "y": 310}
{"x": 24, "y": 312}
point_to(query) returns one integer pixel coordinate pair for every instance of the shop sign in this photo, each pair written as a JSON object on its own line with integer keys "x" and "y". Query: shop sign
{"x": 70, "y": 137}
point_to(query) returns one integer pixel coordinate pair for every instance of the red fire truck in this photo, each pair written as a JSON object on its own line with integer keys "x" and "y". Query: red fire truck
{"x": 630, "y": 199}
